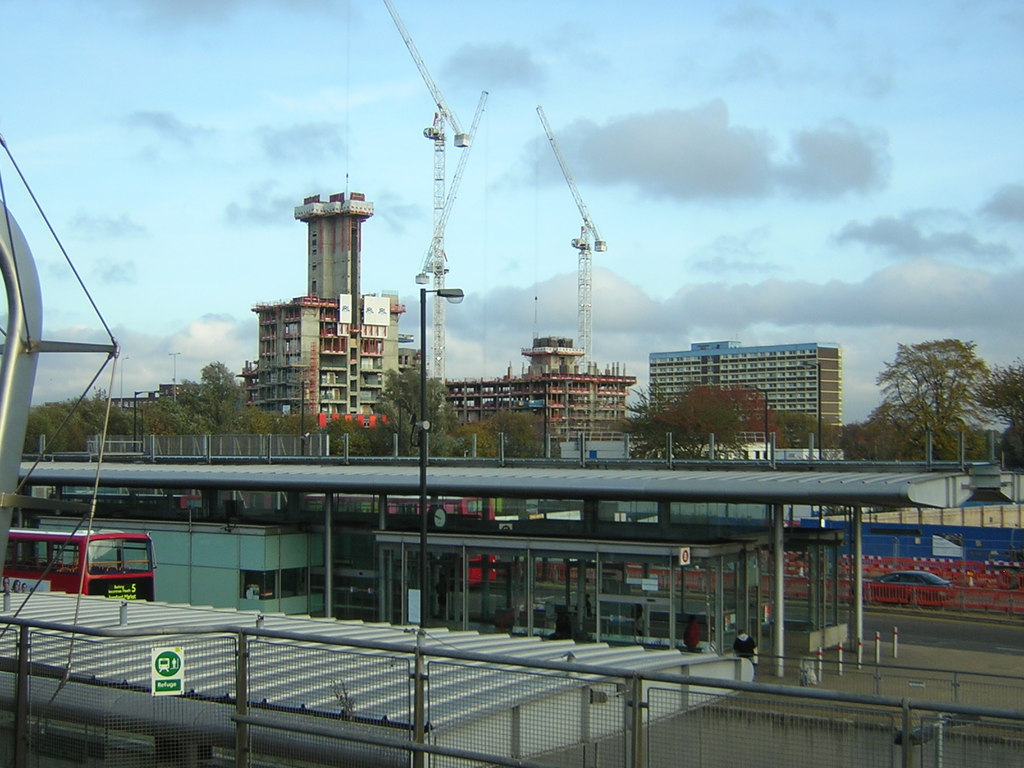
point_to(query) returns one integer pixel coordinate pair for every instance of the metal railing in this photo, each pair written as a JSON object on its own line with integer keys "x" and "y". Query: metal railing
{"x": 257, "y": 697}
{"x": 835, "y": 671}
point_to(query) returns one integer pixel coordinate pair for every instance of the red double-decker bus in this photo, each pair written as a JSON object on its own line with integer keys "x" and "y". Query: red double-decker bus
{"x": 109, "y": 563}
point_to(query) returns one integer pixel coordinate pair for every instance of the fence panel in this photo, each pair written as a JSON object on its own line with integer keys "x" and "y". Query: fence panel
{"x": 345, "y": 692}
{"x": 969, "y": 688}
{"x": 74, "y": 718}
{"x": 752, "y": 731}
{"x": 551, "y": 718}
{"x": 945, "y": 741}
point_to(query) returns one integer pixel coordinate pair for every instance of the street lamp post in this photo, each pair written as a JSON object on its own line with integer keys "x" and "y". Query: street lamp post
{"x": 121, "y": 362}
{"x": 174, "y": 376}
{"x": 137, "y": 434}
{"x": 764, "y": 399}
{"x": 453, "y": 295}
{"x": 816, "y": 365}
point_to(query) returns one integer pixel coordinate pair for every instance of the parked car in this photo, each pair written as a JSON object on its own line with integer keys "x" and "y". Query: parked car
{"x": 910, "y": 588}
{"x": 926, "y": 578}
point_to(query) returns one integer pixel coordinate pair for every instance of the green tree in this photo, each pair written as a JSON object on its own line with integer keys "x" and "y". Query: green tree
{"x": 80, "y": 420}
{"x": 794, "y": 428}
{"x": 932, "y": 387}
{"x": 400, "y": 403}
{"x": 522, "y": 438}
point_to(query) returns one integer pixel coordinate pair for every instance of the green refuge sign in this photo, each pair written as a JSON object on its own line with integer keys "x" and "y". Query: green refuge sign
{"x": 167, "y": 671}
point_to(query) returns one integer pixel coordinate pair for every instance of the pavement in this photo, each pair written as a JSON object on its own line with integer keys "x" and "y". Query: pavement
{"x": 917, "y": 671}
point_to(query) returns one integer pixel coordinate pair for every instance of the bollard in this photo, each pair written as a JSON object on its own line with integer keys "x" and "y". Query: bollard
{"x": 878, "y": 647}
{"x": 839, "y": 667}
{"x": 7, "y": 601}
{"x": 895, "y": 642}
{"x": 821, "y": 663}
{"x": 123, "y": 614}
{"x": 860, "y": 652}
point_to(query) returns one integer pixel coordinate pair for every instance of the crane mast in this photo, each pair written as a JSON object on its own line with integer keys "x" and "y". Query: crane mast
{"x": 588, "y": 235}
{"x": 435, "y": 266}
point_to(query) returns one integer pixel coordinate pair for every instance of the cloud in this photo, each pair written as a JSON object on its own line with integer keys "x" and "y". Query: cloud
{"x": 123, "y": 272}
{"x": 396, "y": 214}
{"x": 907, "y": 302}
{"x": 835, "y": 159}
{"x": 105, "y": 227}
{"x": 262, "y": 208}
{"x": 699, "y": 154}
{"x": 501, "y": 65}
{"x": 1007, "y": 203}
{"x": 188, "y": 13}
{"x": 310, "y": 142}
{"x": 166, "y": 126}
{"x": 145, "y": 361}
{"x": 916, "y": 234}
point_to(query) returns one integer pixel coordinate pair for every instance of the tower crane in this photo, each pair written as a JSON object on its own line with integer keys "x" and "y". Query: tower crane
{"x": 588, "y": 235}
{"x": 435, "y": 267}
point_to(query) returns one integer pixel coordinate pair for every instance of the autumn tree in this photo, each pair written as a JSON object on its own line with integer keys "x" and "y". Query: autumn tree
{"x": 933, "y": 387}
{"x": 691, "y": 418}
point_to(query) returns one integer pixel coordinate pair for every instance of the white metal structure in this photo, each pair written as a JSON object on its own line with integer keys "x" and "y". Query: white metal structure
{"x": 588, "y": 234}
{"x": 434, "y": 265}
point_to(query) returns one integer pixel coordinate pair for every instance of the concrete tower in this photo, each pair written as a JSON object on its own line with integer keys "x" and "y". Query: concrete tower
{"x": 334, "y": 241}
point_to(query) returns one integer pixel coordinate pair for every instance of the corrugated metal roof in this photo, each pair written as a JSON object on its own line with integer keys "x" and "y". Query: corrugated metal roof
{"x": 934, "y": 489}
{"x": 309, "y": 676}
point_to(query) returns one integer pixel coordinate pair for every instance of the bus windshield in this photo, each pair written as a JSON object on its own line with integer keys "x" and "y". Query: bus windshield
{"x": 119, "y": 556}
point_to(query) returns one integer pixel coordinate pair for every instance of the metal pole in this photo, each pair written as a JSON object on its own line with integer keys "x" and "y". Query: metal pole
{"x": 779, "y": 591}
{"x": 242, "y": 702}
{"x": 818, "y": 364}
{"x": 424, "y": 427}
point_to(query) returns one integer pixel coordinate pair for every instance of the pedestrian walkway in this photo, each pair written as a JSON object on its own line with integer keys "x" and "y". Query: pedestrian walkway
{"x": 918, "y": 672}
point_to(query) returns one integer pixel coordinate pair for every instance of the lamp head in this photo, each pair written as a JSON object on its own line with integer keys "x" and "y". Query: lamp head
{"x": 453, "y": 295}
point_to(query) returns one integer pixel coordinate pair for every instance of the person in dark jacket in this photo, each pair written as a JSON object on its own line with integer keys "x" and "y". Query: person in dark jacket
{"x": 744, "y": 646}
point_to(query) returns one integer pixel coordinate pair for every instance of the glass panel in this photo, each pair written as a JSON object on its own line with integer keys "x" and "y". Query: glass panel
{"x": 293, "y": 581}
{"x": 258, "y": 585}
{"x": 115, "y": 556}
{"x": 628, "y": 512}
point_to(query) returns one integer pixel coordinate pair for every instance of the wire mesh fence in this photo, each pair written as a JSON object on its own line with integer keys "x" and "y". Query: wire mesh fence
{"x": 254, "y": 699}
{"x": 893, "y": 679}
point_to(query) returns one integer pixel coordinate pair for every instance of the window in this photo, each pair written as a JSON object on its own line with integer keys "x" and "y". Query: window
{"x": 259, "y": 585}
{"x": 293, "y": 582}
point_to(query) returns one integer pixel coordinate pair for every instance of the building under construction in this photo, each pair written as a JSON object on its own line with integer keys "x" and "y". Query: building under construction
{"x": 570, "y": 398}
{"x": 326, "y": 352}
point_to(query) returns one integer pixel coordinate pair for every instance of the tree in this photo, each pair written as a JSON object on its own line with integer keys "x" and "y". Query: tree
{"x": 795, "y": 428}
{"x": 400, "y": 402}
{"x": 80, "y": 420}
{"x": 691, "y": 418}
{"x": 1002, "y": 395}
{"x": 519, "y": 428}
{"x": 932, "y": 387}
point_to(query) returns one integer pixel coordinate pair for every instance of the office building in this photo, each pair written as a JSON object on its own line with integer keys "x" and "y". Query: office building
{"x": 325, "y": 353}
{"x": 807, "y": 378}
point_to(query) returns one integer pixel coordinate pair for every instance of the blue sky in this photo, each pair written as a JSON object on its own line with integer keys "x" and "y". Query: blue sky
{"x": 765, "y": 172}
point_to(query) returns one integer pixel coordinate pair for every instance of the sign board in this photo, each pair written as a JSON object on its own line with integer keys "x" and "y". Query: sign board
{"x": 684, "y": 555}
{"x": 167, "y": 671}
{"x": 649, "y": 585}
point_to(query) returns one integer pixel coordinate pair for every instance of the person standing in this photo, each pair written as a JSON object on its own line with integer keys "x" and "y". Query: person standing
{"x": 691, "y": 635}
{"x": 745, "y": 646}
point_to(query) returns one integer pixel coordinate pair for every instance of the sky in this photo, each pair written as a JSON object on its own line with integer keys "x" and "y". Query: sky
{"x": 769, "y": 173}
